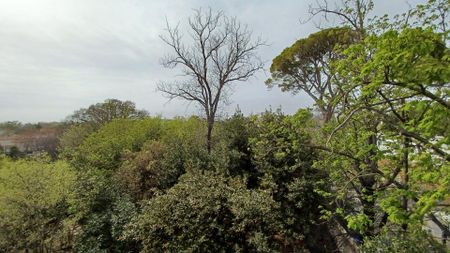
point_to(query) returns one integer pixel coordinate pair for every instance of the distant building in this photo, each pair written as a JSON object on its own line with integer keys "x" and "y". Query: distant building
{"x": 45, "y": 139}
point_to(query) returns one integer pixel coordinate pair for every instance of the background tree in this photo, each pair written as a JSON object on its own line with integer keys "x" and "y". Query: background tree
{"x": 85, "y": 121}
{"x": 101, "y": 113}
{"x": 221, "y": 51}
{"x": 10, "y": 127}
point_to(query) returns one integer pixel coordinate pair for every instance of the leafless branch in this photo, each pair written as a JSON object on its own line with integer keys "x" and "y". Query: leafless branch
{"x": 221, "y": 51}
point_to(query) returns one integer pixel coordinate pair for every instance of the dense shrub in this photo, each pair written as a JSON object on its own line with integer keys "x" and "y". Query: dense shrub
{"x": 104, "y": 148}
{"x": 208, "y": 212}
{"x": 34, "y": 197}
{"x": 282, "y": 153}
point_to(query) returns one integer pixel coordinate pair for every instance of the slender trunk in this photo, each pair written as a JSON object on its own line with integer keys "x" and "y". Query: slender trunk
{"x": 360, "y": 23}
{"x": 368, "y": 203}
{"x": 209, "y": 134}
{"x": 326, "y": 112}
{"x": 343, "y": 237}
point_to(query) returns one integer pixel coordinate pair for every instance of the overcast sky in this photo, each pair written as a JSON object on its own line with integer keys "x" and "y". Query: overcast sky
{"x": 57, "y": 56}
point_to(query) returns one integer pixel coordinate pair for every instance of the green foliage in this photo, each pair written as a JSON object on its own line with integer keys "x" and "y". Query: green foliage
{"x": 104, "y": 148}
{"x": 387, "y": 150}
{"x": 100, "y": 211}
{"x": 414, "y": 57}
{"x": 150, "y": 155}
{"x": 305, "y": 67}
{"x": 185, "y": 141}
{"x": 154, "y": 168}
{"x": 208, "y": 212}
{"x": 359, "y": 222}
{"x": 280, "y": 146}
{"x": 396, "y": 240}
{"x": 385, "y": 100}
{"x": 433, "y": 13}
{"x": 33, "y": 203}
{"x": 235, "y": 133}
{"x": 72, "y": 138}
{"x": 282, "y": 153}
{"x": 404, "y": 83}
{"x": 100, "y": 206}
{"x": 375, "y": 166}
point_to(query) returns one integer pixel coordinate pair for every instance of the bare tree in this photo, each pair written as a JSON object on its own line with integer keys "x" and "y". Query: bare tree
{"x": 354, "y": 13}
{"x": 220, "y": 51}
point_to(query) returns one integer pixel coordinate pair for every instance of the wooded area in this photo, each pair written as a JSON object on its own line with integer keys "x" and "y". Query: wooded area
{"x": 366, "y": 169}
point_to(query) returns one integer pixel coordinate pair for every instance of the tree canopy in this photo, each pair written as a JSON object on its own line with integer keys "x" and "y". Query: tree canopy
{"x": 101, "y": 113}
{"x": 365, "y": 169}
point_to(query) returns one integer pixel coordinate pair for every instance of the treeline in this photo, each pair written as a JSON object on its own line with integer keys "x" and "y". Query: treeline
{"x": 15, "y": 127}
{"x": 367, "y": 169}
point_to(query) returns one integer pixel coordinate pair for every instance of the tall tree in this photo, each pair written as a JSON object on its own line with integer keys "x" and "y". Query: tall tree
{"x": 306, "y": 66}
{"x": 221, "y": 51}
{"x": 399, "y": 82}
{"x": 403, "y": 78}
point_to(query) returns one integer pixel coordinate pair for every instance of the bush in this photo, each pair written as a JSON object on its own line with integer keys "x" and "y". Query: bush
{"x": 104, "y": 149}
{"x": 33, "y": 203}
{"x": 152, "y": 169}
{"x": 281, "y": 153}
{"x": 207, "y": 212}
